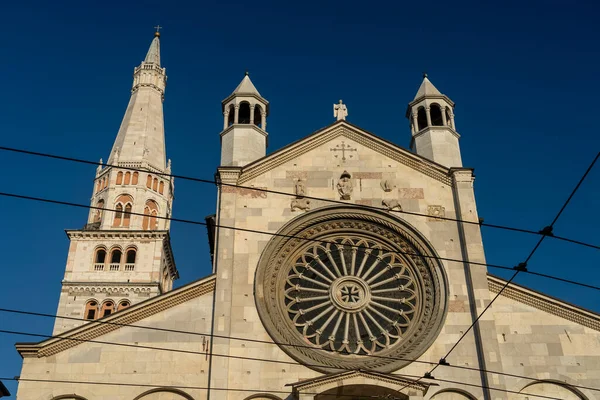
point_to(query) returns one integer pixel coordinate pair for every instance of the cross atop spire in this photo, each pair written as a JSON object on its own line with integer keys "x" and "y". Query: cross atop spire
{"x": 158, "y": 28}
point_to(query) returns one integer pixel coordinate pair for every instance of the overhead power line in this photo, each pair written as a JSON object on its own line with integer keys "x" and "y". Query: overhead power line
{"x": 521, "y": 267}
{"x": 212, "y": 182}
{"x": 204, "y": 353}
{"x": 496, "y": 266}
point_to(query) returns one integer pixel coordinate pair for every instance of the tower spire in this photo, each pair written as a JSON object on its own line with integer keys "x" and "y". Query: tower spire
{"x": 140, "y": 142}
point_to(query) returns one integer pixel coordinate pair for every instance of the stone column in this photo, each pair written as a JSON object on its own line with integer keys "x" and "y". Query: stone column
{"x": 452, "y": 120}
{"x": 428, "y": 112}
{"x": 415, "y": 122}
{"x": 236, "y": 119}
{"x": 252, "y": 114}
{"x": 264, "y": 121}
{"x": 444, "y": 121}
{"x": 225, "y": 119}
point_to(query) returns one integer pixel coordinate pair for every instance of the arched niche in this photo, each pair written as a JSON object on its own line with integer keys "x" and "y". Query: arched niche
{"x": 548, "y": 389}
{"x": 360, "y": 392}
{"x": 164, "y": 394}
{"x": 453, "y": 394}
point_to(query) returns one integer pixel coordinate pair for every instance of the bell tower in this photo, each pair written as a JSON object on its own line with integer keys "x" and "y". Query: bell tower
{"x": 123, "y": 253}
{"x": 244, "y": 135}
{"x": 434, "y": 135}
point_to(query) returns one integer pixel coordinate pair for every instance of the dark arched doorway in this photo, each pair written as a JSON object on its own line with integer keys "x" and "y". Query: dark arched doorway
{"x": 360, "y": 392}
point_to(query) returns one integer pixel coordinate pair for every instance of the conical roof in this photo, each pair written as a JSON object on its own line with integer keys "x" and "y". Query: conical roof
{"x": 153, "y": 55}
{"x": 427, "y": 88}
{"x": 246, "y": 87}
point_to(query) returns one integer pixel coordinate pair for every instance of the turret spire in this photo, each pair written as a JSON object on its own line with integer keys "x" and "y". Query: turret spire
{"x": 140, "y": 142}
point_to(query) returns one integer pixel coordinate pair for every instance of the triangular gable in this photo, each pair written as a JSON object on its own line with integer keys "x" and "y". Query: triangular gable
{"x": 323, "y": 382}
{"x": 545, "y": 303}
{"x": 352, "y": 132}
{"x": 128, "y": 316}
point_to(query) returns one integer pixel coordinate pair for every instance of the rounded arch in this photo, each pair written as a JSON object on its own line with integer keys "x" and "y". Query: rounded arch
{"x": 161, "y": 187}
{"x": 150, "y": 221}
{"x": 107, "y": 308}
{"x": 258, "y": 110}
{"x": 263, "y": 396}
{"x": 453, "y": 394}
{"x": 155, "y": 184}
{"x": 120, "y": 178}
{"x": 244, "y": 113}
{"x": 123, "y": 304}
{"x": 448, "y": 119}
{"x": 68, "y": 397}
{"x": 99, "y": 258}
{"x": 231, "y": 115}
{"x": 91, "y": 309}
{"x": 130, "y": 255}
{"x": 552, "y": 388}
{"x": 149, "y": 181}
{"x": 134, "y": 179}
{"x": 435, "y": 112}
{"x": 116, "y": 254}
{"x": 148, "y": 394}
{"x": 421, "y": 118}
{"x": 99, "y": 211}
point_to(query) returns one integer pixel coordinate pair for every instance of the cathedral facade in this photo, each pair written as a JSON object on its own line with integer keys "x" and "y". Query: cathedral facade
{"x": 344, "y": 266}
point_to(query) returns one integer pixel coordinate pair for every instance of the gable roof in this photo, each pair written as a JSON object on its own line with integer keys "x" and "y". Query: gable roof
{"x": 546, "y": 303}
{"x": 346, "y": 375}
{"x": 128, "y": 316}
{"x": 352, "y": 132}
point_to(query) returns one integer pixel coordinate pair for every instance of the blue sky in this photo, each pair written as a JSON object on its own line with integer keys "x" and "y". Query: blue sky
{"x": 523, "y": 75}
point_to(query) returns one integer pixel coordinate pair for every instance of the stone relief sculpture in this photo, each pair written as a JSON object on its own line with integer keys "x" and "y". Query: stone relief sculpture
{"x": 387, "y": 185}
{"x": 300, "y": 203}
{"x": 344, "y": 186}
{"x": 391, "y": 204}
{"x": 436, "y": 211}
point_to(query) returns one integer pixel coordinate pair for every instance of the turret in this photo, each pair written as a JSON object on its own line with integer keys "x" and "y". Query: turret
{"x": 244, "y": 135}
{"x": 434, "y": 135}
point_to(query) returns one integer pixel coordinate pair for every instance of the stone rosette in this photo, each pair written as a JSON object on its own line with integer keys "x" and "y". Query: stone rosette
{"x": 348, "y": 288}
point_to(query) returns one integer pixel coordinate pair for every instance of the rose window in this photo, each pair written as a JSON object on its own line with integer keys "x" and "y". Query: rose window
{"x": 350, "y": 295}
{"x": 343, "y": 288}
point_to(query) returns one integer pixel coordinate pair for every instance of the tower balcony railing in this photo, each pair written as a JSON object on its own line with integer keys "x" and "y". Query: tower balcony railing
{"x": 98, "y": 267}
{"x": 129, "y": 267}
{"x": 114, "y": 266}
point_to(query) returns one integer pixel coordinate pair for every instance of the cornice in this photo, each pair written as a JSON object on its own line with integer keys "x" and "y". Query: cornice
{"x": 230, "y": 128}
{"x": 367, "y": 139}
{"x": 117, "y": 234}
{"x": 545, "y": 303}
{"x": 131, "y": 315}
{"x": 342, "y": 376}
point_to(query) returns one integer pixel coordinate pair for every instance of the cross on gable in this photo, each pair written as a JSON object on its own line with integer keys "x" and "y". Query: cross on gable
{"x": 343, "y": 148}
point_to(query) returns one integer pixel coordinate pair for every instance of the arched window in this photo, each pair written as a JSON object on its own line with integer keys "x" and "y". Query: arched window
{"x": 99, "y": 185}
{"x": 98, "y": 212}
{"x": 119, "y": 178}
{"x": 127, "y": 215}
{"x": 123, "y": 304}
{"x": 150, "y": 214}
{"x": 161, "y": 187}
{"x": 115, "y": 259}
{"x": 99, "y": 259}
{"x": 134, "y": 181}
{"x": 448, "y": 121}
{"x": 436, "y": 115}
{"x": 130, "y": 260}
{"x": 107, "y": 308}
{"x": 91, "y": 310}
{"x": 258, "y": 116}
{"x": 149, "y": 182}
{"x": 231, "y": 115}
{"x": 118, "y": 215}
{"x": 421, "y": 118}
{"x": 127, "y": 177}
{"x": 244, "y": 113}
{"x": 104, "y": 182}
{"x": 155, "y": 185}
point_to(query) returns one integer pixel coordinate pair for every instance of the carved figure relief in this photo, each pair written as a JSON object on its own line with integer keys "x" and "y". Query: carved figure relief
{"x": 387, "y": 185}
{"x": 344, "y": 186}
{"x": 436, "y": 211}
{"x": 300, "y": 203}
{"x": 391, "y": 204}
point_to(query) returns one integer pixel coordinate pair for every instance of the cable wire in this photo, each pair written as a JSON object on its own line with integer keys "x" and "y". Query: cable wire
{"x": 19, "y": 379}
{"x": 213, "y": 182}
{"x": 234, "y": 338}
{"x": 496, "y": 266}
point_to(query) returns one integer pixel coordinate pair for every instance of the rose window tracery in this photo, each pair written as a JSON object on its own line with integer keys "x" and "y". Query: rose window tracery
{"x": 356, "y": 289}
